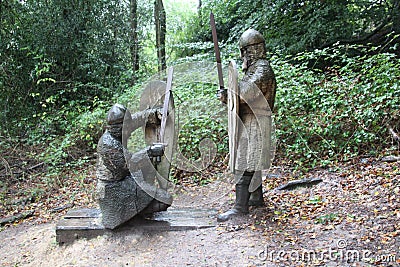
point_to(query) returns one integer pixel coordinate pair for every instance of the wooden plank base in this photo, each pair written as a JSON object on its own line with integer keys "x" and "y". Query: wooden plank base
{"x": 86, "y": 223}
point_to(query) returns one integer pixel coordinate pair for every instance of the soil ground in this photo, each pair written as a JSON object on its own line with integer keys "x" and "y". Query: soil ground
{"x": 350, "y": 219}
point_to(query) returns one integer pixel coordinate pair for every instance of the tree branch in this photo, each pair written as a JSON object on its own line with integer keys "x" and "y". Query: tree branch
{"x": 394, "y": 134}
{"x": 384, "y": 23}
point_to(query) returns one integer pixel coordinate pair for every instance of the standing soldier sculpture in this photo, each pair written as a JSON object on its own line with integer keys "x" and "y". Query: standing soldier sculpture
{"x": 250, "y": 104}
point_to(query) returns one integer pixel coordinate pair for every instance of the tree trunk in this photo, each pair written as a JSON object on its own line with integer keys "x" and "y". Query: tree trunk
{"x": 200, "y": 5}
{"x": 199, "y": 13}
{"x": 396, "y": 16}
{"x": 160, "y": 22}
{"x": 134, "y": 42}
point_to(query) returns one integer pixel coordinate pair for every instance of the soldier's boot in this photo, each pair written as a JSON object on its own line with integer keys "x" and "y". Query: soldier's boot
{"x": 256, "y": 198}
{"x": 241, "y": 203}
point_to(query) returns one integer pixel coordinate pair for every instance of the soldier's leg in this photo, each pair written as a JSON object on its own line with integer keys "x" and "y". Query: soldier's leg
{"x": 242, "y": 198}
{"x": 140, "y": 161}
{"x": 256, "y": 197}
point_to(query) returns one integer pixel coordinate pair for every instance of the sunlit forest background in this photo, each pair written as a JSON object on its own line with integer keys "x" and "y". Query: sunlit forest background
{"x": 64, "y": 63}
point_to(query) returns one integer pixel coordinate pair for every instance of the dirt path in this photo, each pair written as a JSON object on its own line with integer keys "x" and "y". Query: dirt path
{"x": 226, "y": 245}
{"x": 35, "y": 246}
{"x": 350, "y": 219}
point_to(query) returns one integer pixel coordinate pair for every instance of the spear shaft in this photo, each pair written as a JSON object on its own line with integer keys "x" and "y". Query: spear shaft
{"x": 217, "y": 54}
{"x": 166, "y": 103}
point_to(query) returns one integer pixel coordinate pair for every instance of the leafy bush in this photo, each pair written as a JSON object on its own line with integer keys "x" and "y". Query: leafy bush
{"x": 344, "y": 112}
{"x": 200, "y": 116}
{"x": 321, "y": 116}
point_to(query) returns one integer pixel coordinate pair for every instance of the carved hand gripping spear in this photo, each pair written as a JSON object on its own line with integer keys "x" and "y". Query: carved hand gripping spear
{"x": 158, "y": 148}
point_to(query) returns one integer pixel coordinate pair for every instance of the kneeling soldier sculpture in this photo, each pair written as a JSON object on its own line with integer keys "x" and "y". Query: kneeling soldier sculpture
{"x": 125, "y": 180}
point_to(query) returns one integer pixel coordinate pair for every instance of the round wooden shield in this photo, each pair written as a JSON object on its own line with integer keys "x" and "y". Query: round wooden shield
{"x": 153, "y": 96}
{"x": 233, "y": 110}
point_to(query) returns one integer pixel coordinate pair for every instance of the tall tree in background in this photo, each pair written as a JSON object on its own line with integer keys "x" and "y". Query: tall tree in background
{"x": 134, "y": 42}
{"x": 160, "y": 23}
{"x": 199, "y": 6}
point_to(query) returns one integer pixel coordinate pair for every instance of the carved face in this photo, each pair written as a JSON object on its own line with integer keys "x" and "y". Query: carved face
{"x": 252, "y": 47}
{"x": 117, "y": 116}
{"x": 250, "y": 54}
{"x": 115, "y": 130}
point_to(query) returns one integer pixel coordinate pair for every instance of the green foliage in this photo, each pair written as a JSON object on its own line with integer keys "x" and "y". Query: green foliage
{"x": 179, "y": 16}
{"x": 82, "y": 127}
{"x": 315, "y": 200}
{"x": 294, "y": 26}
{"x": 82, "y": 130}
{"x": 325, "y": 117}
{"x": 326, "y": 219}
{"x": 64, "y": 63}
{"x": 58, "y": 57}
{"x": 200, "y": 116}
{"x": 321, "y": 117}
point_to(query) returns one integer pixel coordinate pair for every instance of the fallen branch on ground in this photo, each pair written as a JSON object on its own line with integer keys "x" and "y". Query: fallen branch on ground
{"x": 300, "y": 183}
{"x": 17, "y": 217}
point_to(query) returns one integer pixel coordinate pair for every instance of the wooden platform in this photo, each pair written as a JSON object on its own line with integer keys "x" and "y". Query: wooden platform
{"x": 86, "y": 223}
